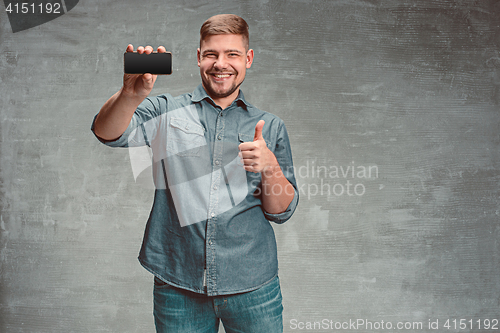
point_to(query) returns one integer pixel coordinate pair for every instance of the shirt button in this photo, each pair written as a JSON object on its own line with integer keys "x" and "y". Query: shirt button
{"x": 213, "y": 214}
{"x": 217, "y": 162}
{"x": 209, "y": 242}
{"x": 215, "y": 187}
{"x": 219, "y": 137}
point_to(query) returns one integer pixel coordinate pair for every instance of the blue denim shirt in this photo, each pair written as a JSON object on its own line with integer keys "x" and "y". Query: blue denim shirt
{"x": 207, "y": 231}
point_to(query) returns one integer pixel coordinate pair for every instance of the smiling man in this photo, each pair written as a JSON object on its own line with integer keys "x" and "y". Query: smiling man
{"x": 223, "y": 60}
{"x": 223, "y": 171}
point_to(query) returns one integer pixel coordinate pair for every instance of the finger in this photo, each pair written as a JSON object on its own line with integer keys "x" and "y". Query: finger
{"x": 247, "y": 154}
{"x": 148, "y": 49}
{"x": 248, "y": 162}
{"x": 140, "y": 49}
{"x": 258, "y": 130}
{"x": 251, "y": 168}
{"x": 148, "y": 80}
{"x": 130, "y": 48}
{"x": 161, "y": 49}
{"x": 246, "y": 146}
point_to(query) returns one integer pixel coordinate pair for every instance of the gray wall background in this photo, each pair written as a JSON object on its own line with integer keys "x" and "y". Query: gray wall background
{"x": 408, "y": 88}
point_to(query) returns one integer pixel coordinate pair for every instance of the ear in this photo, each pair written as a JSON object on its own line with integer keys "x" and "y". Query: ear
{"x": 249, "y": 58}
{"x": 198, "y": 57}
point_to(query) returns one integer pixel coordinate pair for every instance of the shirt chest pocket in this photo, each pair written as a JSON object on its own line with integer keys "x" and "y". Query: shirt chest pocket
{"x": 185, "y": 137}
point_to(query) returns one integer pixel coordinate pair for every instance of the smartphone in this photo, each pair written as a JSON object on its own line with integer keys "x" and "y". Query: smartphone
{"x": 154, "y": 63}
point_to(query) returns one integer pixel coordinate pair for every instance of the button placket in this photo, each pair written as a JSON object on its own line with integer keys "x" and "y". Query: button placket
{"x": 213, "y": 208}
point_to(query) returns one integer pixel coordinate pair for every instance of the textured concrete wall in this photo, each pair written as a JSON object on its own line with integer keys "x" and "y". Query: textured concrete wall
{"x": 405, "y": 93}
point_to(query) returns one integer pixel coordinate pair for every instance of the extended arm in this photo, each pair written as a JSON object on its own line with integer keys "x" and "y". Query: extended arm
{"x": 115, "y": 115}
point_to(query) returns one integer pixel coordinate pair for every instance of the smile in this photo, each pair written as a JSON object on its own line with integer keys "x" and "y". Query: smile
{"x": 221, "y": 76}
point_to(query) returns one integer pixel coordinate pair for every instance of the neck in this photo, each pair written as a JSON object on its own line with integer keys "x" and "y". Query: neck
{"x": 224, "y": 102}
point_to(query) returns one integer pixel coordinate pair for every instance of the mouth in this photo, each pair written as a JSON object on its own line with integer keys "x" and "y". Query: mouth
{"x": 221, "y": 76}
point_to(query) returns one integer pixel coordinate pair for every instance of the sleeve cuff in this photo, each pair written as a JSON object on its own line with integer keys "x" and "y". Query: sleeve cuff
{"x": 120, "y": 142}
{"x": 284, "y": 216}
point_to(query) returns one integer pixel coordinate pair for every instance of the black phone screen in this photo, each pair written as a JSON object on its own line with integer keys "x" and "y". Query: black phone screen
{"x": 154, "y": 63}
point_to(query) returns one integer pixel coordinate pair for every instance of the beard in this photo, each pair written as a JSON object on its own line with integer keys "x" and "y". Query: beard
{"x": 212, "y": 92}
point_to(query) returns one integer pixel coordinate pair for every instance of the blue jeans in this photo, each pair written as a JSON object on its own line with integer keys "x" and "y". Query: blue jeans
{"x": 181, "y": 311}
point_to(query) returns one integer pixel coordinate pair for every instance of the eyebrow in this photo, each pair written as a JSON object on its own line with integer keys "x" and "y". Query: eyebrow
{"x": 226, "y": 51}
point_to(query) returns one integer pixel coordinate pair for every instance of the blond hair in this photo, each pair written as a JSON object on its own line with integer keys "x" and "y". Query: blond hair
{"x": 225, "y": 24}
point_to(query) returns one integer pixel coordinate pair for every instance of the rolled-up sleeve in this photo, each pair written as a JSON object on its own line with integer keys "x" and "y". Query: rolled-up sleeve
{"x": 283, "y": 153}
{"x": 284, "y": 216}
{"x": 137, "y": 134}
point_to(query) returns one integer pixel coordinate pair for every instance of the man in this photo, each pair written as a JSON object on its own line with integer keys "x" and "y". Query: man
{"x": 222, "y": 169}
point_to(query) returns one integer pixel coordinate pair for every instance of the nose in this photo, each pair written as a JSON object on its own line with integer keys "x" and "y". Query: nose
{"x": 220, "y": 63}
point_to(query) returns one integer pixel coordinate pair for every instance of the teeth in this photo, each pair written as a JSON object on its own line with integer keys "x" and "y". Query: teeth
{"x": 221, "y": 75}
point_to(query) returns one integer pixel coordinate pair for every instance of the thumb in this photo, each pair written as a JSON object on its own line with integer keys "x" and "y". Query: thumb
{"x": 258, "y": 130}
{"x": 148, "y": 80}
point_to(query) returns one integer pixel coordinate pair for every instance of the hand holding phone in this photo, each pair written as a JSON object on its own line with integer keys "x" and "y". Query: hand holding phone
{"x": 138, "y": 86}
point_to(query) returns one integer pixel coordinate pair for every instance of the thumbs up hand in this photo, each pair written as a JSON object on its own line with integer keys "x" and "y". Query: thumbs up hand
{"x": 277, "y": 191}
{"x": 255, "y": 155}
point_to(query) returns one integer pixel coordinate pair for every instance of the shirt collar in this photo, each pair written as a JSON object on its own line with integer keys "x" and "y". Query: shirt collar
{"x": 200, "y": 94}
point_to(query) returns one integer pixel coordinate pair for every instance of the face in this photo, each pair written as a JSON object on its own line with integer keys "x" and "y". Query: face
{"x": 223, "y": 61}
